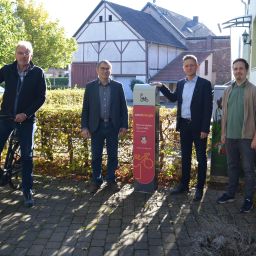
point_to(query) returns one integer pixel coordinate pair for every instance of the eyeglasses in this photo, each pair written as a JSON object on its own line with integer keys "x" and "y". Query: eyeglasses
{"x": 26, "y": 54}
{"x": 104, "y": 69}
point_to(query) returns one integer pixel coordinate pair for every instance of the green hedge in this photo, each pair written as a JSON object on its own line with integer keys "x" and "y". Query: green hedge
{"x": 60, "y": 149}
{"x": 57, "y": 83}
{"x": 64, "y": 98}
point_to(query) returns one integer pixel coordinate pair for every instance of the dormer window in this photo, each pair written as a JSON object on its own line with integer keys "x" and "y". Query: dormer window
{"x": 109, "y": 17}
{"x": 100, "y": 18}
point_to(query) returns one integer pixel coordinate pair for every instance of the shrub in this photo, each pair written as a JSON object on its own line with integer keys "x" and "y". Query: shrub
{"x": 219, "y": 238}
{"x": 61, "y": 151}
{"x": 64, "y": 98}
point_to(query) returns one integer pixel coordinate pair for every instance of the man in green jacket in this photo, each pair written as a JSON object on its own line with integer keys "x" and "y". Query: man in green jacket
{"x": 239, "y": 134}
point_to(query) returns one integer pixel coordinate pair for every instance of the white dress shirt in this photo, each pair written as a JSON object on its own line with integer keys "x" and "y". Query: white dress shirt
{"x": 187, "y": 94}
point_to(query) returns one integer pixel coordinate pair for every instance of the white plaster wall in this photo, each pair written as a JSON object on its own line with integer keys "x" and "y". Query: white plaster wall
{"x": 163, "y": 56}
{"x": 134, "y": 68}
{"x": 90, "y": 52}
{"x": 116, "y": 68}
{"x": 118, "y": 31}
{"x": 99, "y": 12}
{"x": 141, "y": 78}
{"x": 110, "y": 52}
{"x": 94, "y": 32}
{"x": 134, "y": 51}
{"x": 252, "y": 8}
{"x": 78, "y": 54}
{"x": 173, "y": 53}
{"x": 152, "y": 55}
{"x": 160, "y": 56}
{"x": 114, "y": 17}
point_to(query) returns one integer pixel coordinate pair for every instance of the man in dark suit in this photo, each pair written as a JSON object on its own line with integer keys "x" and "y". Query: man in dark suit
{"x": 194, "y": 109}
{"x": 104, "y": 118}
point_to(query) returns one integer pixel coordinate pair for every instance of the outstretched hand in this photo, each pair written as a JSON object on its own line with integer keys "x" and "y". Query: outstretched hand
{"x": 157, "y": 84}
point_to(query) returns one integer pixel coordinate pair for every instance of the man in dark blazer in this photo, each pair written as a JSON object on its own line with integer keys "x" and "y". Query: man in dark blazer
{"x": 194, "y": 109}
{"x": 104, "y": 118}
{"x": 24, "y": 94}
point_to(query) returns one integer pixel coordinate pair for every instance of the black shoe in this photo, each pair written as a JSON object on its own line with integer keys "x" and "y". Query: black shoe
{"x": 179, "y": 190}
{"x": 247, "y": 206}
{"x": 28, "y": 200}
{"x": 113, "y": 186}
{"x": 198, "y": 195}
{"x": 225, "y": 198}
{"x": 93, "y": 188}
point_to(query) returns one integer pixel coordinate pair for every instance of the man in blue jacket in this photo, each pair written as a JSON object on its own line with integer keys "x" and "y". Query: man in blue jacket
{"x": 104, "y": 118}
{"x": 194, "y": 109}
{"x": 24, "y": 94}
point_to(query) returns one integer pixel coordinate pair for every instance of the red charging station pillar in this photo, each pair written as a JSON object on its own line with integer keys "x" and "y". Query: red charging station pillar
{"x": 145, "y": 137}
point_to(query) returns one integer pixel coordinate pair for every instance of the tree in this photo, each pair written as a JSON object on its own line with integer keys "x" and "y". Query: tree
{"x": 52, "y": 49}
{"x": 11, "y": 31}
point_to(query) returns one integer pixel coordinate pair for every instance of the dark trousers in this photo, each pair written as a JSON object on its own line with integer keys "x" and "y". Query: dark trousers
{"x": 26, "y": 132}
{"x": 187, "y": 138}
{"x": 240, "y": 154}
{"x": 105, "y": 133}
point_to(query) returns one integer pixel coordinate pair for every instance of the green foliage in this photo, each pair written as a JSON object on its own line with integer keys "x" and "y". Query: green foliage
{"x": 24, "y": 20}
{"x": 135, "y": 81}
{"x": 68, "y": 98}
{"x": 11, "y": 31}
{"x": 51, "y": 47}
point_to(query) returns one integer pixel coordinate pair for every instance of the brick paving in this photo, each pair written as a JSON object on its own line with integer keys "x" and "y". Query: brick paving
{"x": 68, "y": 220}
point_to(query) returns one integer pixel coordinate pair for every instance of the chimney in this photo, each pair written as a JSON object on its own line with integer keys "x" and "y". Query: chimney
{"x": 195, "y": 19}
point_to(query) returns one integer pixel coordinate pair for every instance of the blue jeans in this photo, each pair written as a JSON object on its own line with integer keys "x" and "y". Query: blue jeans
{"x": 105, "y": 132}
{"x": 26, "y": 132}
{"x": 240, "y": 154}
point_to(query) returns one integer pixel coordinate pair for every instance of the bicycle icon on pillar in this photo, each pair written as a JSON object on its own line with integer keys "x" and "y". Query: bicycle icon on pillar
{"x": 142, "y": 162}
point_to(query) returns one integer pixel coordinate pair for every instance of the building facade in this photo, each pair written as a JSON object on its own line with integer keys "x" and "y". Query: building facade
{"x": 140, "y": 44}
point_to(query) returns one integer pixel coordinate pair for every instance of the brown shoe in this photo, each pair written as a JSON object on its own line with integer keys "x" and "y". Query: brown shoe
{"x": 113, "y": 186}
{"x": 93, "y": 188}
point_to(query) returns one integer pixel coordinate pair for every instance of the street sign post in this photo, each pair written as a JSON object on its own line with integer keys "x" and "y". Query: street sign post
{"x": 145, "y": 137}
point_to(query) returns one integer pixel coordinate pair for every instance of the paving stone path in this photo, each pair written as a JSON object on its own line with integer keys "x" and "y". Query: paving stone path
{"x": 68, "y": 220}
